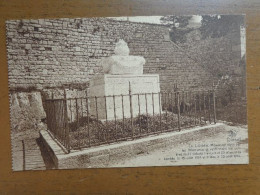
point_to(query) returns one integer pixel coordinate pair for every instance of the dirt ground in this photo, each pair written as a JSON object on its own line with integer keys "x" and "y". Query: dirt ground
{"x": 227, "y": 146}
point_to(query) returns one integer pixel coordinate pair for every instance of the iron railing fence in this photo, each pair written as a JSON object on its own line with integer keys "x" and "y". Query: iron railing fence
{"x": 90, "y": 121}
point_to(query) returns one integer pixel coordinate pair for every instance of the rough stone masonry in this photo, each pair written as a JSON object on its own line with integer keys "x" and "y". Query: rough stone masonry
{"x": 53, "y": 52}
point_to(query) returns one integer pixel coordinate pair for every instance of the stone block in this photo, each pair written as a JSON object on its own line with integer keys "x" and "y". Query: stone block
{"x": 77, "y": 48}
{"x": 28, "y": 46}
{"x": 117, "y": 102}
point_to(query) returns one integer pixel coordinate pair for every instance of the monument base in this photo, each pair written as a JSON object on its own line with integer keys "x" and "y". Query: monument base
{"x": 113, "y": 99}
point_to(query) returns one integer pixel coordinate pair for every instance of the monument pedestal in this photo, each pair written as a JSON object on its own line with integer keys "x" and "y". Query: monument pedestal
{"x": 113, "y": 100}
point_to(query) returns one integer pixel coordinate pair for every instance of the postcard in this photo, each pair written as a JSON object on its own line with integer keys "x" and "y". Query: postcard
{"x": 127, "y": 91}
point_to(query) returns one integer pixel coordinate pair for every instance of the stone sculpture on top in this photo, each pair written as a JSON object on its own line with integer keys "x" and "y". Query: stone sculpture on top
{"x": 122, "y": 62}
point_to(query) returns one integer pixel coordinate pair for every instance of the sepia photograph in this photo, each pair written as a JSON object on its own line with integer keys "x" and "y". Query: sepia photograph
{"x": 127, "y": 91}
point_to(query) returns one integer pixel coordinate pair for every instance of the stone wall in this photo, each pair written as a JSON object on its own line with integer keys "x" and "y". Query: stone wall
{"x": 51, "y": 53}
{"x": 54, "y": 52}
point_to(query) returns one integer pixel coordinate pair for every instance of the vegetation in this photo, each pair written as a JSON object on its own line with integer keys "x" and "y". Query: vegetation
{"x": 234, "y": 112}
{"x": 213, "y": 26}
{"x": 111, "y": 131}
{"x": 216, "y": 26}
{"x": 179, "y": 27}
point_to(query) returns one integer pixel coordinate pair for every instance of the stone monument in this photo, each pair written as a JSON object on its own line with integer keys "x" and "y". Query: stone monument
{"x": 123, "y": 76}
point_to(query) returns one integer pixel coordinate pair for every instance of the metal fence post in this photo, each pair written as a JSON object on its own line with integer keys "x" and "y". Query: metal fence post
{"x": 106, "y": 133}
{"x": 98, "y": 128}
{"x": 147, "y": 117}
{"x": 77, "y": 122}
{"x": 195, "y": 108}
{"x": 153, "y": 110}
{"x": 87, "y": 104}
{"x": 67, "y": 130}
{"x": 179, "y": 113}
{"x": 160, "y": 110}
{"x": 204, "y": 107}
{"x": 114, "y": 103}
{"x": 123, "y": 112}
{"x": 131, "y": 110}
{"x": 139, "y": 113}
{"x": 54, "y": 116}
{"x": 214, "y": 107}
{"x": 209, "y": 107}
